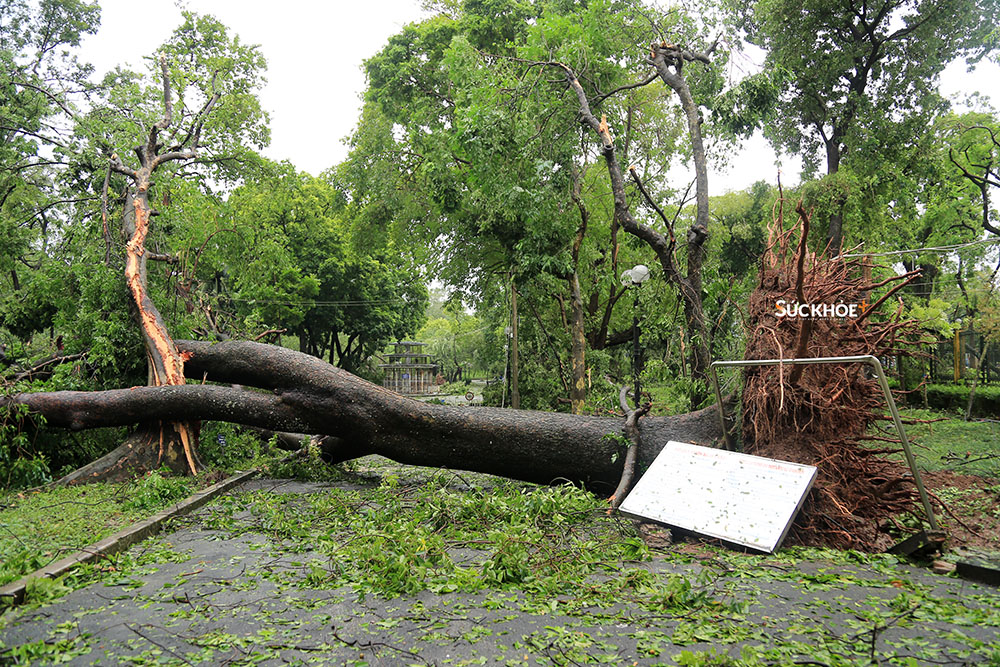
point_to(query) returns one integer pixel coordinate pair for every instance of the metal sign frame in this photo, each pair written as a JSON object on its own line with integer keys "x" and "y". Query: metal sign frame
{"x": 869, "y": 359}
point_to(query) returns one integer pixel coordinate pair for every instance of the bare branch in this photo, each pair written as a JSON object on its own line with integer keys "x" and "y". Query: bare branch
{"x": 116, "y": 165}
{"x": 30, "y": 165}
{"x": 700, "y": 56}
{"x": 631, "y": 431}
{"x": 168, "y": 112}
{"x": 42, "y": 210}
{"x": 648, "y": 80}
{"x": 178, "y": 152}
{"x": 649, "y": 200}
{"x": 52, "y": 98}
{"x": 188, "y": 154}
{"x": 160, "y": 257}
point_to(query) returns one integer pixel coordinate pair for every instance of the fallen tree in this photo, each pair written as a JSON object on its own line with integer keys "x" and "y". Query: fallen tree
{"x": 284, "y": 390}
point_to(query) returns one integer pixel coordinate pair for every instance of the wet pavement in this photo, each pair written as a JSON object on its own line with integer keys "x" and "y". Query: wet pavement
{"x": 206, "y": 593}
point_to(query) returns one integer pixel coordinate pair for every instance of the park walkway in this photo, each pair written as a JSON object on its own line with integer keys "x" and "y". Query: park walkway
{"x": 240, "y": 582}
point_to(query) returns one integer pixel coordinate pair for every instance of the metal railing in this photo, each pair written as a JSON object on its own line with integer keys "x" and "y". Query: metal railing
{"x": 865, "y": 359}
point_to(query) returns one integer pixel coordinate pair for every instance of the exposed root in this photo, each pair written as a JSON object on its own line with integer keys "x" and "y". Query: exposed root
{"x": 819, "y": 414}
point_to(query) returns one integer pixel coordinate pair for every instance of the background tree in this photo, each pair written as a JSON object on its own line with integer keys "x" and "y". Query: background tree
{"x": 456, "y": 338}
{"x": 976, "y": 156}
{"x": 342, "y": 300}
{"x": 862, "y": 75}
{"x": 40, "y": 83}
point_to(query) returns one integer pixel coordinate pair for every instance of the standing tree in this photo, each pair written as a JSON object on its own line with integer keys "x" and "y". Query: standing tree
{"x": 205, "y": 108}
{"x": 39, "y": 83}
{"x": 983, "y": 303}
{"x": 166, "y": 365}
{"x": 859, "y": 71}
{"x": 669, "y": 61}
{"x": 977, "y": 158}
{"x": 949, "y": 199}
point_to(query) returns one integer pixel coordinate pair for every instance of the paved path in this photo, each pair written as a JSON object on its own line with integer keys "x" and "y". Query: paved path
{"x": 213, "y": 594}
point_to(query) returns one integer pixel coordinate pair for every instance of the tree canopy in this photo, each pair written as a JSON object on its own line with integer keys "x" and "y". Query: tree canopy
{"x": 514, "y": 157}
{"x": 862, "y": 77}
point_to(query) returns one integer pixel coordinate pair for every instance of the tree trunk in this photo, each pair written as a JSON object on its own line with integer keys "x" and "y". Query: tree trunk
{"x": 835, "y": 231}
{"x": 578, "y": 348}
{"x": 307, "y": 395}
{"x": 663, "y": 57}
{"x": 578, "y": 322}
{"x": 978, "y": 360}
{"x": 599, "y": 338}
{"x": 177, "y": 440}
{"x": 515, "y": 391}
{"x": 669, "y": 61}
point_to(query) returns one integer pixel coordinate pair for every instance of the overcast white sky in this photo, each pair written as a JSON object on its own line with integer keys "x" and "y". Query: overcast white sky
{"x": 314, "y": 54}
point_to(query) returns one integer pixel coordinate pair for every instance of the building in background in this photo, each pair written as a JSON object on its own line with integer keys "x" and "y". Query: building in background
{"x": 409, "y": 370}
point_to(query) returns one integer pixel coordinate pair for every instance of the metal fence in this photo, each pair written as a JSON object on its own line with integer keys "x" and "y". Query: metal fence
{"x": 965, "y": 347}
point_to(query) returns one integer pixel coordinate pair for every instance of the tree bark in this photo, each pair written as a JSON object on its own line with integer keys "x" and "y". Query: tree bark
{"x": 668, "y": 60}
{"x": 306, "y": 395}
{"x": 515, "y": 391}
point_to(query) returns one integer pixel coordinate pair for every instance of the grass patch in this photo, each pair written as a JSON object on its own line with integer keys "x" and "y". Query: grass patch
{"x": 966, "y": 448}
{"x": 40, "y": 527}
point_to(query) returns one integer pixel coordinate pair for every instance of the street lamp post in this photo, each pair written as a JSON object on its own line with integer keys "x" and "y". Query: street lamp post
{"x": 635, "y": 277}
{"x": 508, "y": 333}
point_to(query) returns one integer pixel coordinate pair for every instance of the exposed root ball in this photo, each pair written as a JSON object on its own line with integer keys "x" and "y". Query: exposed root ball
{"x": 819, "y": 414}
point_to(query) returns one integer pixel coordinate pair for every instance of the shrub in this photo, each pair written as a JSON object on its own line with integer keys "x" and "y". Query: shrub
{"x": 21, "y": 465}
{"x": 955, "y": 397}
{"x": 226, "y": 446}
{"x": 156, "y": 490}
{"x": 454, "y": 388}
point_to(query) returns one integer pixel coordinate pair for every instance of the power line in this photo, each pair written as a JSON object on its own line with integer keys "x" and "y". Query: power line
{"x": 912, "y": 251}
{"x": 308, "y": 302}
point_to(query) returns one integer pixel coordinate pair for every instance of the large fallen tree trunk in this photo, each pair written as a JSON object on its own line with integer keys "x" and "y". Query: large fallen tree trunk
{"x": 304, "y": 394}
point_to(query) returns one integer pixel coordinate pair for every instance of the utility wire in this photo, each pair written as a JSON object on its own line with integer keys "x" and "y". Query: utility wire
{"x": 310, "y": 302}
{"x": 913, "y": 251}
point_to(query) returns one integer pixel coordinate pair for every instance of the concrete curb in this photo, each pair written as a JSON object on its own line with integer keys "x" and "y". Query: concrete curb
{"x": 13, "y": 593}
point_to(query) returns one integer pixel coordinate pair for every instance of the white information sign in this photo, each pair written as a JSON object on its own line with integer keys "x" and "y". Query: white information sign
{"x": 748, "y": 500}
